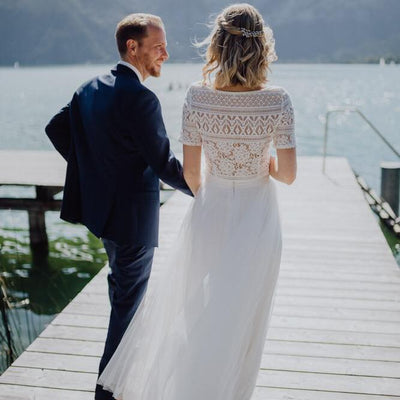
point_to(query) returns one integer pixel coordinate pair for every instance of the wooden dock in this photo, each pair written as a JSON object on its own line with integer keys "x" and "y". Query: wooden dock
{"x": 45, "y": 170}
{"x": 335, "y": 328}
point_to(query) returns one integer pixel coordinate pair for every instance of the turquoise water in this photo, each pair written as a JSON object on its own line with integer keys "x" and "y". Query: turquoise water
{"x": 31, "y": 96}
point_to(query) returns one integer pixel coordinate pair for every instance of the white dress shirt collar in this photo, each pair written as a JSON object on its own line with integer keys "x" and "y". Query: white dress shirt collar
{"x": 133, "y": 68}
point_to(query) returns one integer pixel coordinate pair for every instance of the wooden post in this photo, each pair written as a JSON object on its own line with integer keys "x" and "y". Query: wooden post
{"x": 36, "y": 208}
{"x": 390, "y": 184}
{"x": 37, "y": 224}
{"x": 37, "y": 230}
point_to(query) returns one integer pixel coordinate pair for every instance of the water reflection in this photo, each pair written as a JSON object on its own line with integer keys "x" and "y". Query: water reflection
{"x": 36, "y": 288}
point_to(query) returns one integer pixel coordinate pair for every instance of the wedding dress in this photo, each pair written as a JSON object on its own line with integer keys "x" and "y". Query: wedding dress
{"x": 199, "y": 333}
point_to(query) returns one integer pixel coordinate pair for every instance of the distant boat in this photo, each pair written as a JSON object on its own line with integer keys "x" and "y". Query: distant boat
{"x": 16, "y": 64}
{"x": 382, "y": 61}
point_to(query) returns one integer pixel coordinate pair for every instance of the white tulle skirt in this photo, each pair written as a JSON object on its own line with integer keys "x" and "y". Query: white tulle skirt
{"x": 199, "y": 333}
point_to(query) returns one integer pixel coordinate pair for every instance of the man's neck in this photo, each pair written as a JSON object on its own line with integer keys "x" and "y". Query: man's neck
{"x": 134, "y": 68}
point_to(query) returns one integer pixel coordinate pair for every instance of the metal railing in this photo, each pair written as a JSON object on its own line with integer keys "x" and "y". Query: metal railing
{"x": 356, "y": 110}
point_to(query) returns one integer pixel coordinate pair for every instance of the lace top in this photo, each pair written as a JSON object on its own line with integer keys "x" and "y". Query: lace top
{"x": 237, "y": 128}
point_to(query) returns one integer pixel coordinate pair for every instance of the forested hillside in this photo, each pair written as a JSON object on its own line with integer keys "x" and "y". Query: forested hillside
{"x": 80, "y": 31}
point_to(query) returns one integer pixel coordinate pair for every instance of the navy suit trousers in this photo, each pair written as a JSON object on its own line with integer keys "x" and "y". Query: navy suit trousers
{"x": 130, "y": 268}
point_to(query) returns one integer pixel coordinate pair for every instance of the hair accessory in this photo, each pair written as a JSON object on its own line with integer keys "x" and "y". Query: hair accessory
{"x": 247, "y": 33}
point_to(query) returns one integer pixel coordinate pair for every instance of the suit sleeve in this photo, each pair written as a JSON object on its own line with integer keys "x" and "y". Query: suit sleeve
{"x": 152, "y": 139}
{"x": 58, "y": 131}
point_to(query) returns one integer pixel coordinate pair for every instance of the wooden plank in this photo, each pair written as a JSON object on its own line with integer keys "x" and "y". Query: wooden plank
{"x": 96, "y": 290}
{"x": 341, "y": 366}
{"x": 277, "y": 393}
{"x": 355, "y": 264}
{"x": 310, "y": 254}
{"x": 337, "y": 313}
{"x": 334, "y": 337}
{"x": 331, "y": 350}
{"x": 387, "y": 287}
{"x": 32, "y": 205}
{"x": 335, "y": 383}
{"x": 26, "y": 167}
{"x": 342, "y": 303}
{"x": 81, "y": 320}
{"x": 19, "y": 392}
{"x": 65, "y": 346}
{"x": 357, "y": 267}
{"x": 49, "y": 378}
{"x": 92, "y": 298}
{"x": 99, "y": 310}
{"x": 341, "y": 276}
{"x": 338, "y": 293}
{"x": 347, "y": 248}
{"x": 75, "y": 333}
{"x": 61, "y": 362}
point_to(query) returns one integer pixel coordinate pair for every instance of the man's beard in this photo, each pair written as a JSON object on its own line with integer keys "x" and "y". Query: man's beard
{"x": 154, "y": 71}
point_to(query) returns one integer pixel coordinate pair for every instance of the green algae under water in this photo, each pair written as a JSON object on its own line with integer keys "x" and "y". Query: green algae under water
{"x": 37, "y": 291}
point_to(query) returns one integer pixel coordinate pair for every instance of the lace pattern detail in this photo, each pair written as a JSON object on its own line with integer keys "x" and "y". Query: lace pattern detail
{"x": 284, "y": 136}
{"x": 189, "y": 134}
{"x": 236, "y": 129}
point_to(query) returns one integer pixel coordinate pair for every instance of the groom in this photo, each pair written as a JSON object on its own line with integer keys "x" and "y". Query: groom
{"x": 113, "y": 138}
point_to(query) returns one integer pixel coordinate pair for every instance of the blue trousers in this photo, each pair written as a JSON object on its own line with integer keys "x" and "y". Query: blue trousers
{"x": 127, "y": 282}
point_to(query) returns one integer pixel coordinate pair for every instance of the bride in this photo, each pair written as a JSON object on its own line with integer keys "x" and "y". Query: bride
{"x": 199, "y": 333}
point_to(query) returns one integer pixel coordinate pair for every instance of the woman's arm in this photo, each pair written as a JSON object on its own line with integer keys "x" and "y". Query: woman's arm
{"x": 192, "y": 166}
{"x": 284, "y": 167}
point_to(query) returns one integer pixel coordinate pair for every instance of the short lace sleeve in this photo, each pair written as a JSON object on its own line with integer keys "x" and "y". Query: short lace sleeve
{"x": 284, "y": 137}
{"x": 189, "y": 133}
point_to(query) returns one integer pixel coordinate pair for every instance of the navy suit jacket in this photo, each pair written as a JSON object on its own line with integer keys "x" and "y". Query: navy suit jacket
{"x": 113, "y": 138}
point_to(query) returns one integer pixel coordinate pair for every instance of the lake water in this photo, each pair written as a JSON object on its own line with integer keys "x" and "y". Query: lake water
{"x": 29, "y": 97}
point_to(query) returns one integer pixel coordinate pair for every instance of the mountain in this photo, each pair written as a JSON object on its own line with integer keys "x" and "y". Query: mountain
{"x": 81, "y": 31}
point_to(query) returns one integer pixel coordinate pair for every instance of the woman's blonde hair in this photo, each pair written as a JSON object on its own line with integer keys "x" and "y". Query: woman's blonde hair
{"x": 240, "y": 48}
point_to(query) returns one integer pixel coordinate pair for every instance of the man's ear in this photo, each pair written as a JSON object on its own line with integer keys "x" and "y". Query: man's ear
{"x": 131, "y": 46}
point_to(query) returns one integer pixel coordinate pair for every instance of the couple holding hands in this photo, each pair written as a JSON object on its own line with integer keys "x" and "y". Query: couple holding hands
{"x": 197, "y": 331}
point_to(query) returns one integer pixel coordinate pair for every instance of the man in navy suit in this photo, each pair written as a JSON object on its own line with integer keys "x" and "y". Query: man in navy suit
{"x": 113, "y": 138}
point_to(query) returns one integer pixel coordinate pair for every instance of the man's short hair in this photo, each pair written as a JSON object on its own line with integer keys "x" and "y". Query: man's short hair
{"x": 134, "y": 26}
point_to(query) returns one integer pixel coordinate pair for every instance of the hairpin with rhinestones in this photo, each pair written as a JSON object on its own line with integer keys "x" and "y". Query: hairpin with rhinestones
{"x": 247, "y": 33}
